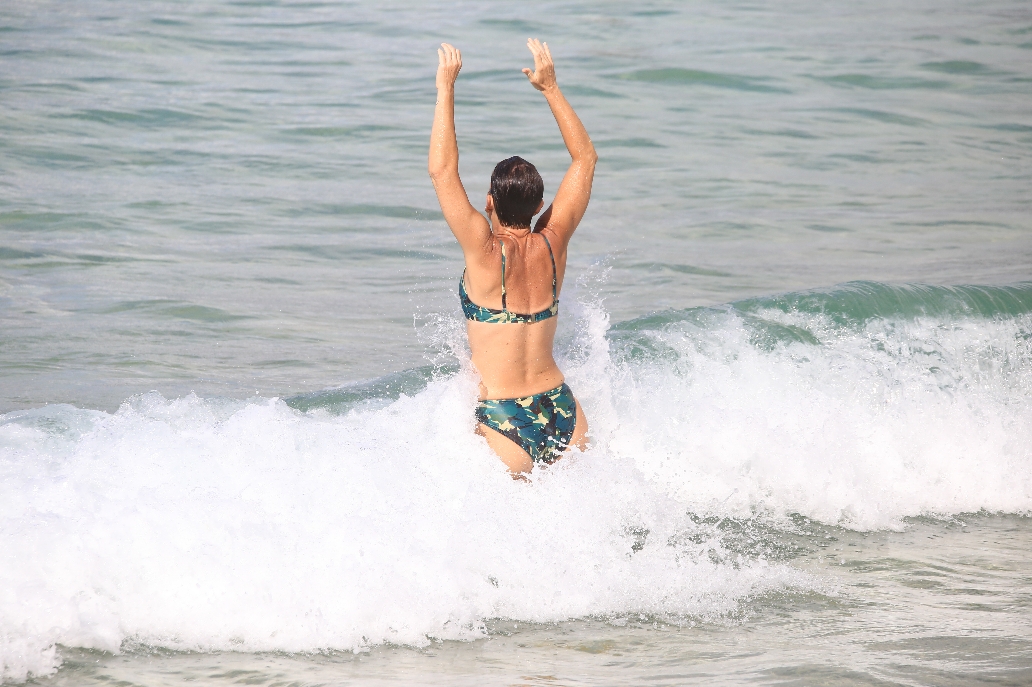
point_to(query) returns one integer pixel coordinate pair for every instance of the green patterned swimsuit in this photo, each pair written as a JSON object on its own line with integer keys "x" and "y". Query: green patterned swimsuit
{"x": 542, "y": 424}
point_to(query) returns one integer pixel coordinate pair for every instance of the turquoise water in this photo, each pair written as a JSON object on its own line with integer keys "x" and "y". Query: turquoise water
{"x": 230, "y": 197}
{"x": 234, "y": 393}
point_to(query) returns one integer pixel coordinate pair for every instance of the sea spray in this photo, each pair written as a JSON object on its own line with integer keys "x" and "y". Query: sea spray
{"x": 356, "y": 519}
{"x": 853, "y": 407}
{"x": 202, "y": 524}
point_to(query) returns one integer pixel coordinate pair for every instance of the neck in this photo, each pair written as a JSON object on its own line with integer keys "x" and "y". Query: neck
{"x": 501, "y": 230}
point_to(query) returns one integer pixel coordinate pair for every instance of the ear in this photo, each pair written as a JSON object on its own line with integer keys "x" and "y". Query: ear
{"x": 489, "y": 208}
{"x": 541, "y": 204}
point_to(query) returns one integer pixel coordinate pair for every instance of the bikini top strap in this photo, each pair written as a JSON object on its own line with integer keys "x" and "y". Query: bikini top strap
{"x": 503, "y": 274}
{"x": 552, "y": 256}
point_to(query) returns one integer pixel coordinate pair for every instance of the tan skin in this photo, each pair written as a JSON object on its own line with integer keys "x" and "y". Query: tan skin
{"x": 514, "y": 359}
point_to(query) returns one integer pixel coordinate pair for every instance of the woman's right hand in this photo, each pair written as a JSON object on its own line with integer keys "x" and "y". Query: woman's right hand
{"x": 543, "y": 76}
{"x": 449, "y": 62}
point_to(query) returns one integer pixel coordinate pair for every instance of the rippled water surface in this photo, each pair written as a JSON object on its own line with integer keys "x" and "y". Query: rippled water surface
{"x": 235, "y": 432}
{"x": 230, "y": 197}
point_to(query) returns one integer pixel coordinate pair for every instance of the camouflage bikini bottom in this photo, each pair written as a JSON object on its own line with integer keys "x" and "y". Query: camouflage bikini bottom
{"x": 542, "y": 424}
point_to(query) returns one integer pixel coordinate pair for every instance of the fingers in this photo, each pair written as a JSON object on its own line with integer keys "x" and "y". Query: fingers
{"x": 449, "y": 54}
{"x": 542, "y": 55}
{"x": 449, "y": 61}
{"x": 535, "y": 49}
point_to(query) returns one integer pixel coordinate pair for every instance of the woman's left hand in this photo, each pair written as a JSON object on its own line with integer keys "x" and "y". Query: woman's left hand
{"x": 543, "y": 75}
{"x": 449, "y": 62}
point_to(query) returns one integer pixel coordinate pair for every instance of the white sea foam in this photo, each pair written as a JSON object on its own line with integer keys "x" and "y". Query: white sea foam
{"x": 873, "y": 424}
{"x": 215, "y": 524}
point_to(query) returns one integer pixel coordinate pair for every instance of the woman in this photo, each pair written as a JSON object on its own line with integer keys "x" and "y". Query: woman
{"x": 510, "y": 287}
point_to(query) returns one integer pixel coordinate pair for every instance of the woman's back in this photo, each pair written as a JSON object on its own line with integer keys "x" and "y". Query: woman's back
{"x": 515, "y": 358}
{"x": 531, "y": 261}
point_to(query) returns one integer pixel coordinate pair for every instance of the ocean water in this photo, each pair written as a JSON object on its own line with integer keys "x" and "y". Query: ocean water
{"x": 236, "y": 442}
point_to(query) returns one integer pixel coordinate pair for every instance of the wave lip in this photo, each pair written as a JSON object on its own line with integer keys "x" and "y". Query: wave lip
{"x": 860, "y": 301}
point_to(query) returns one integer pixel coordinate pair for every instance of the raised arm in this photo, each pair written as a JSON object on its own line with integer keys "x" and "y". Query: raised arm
{"x": 469, "y": 226}
{"x": 571, "y": 200}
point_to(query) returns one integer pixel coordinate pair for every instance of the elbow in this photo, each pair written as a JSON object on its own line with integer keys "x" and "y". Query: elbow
{"x": 588, "y": 156}
{"x": 437, "y": 170}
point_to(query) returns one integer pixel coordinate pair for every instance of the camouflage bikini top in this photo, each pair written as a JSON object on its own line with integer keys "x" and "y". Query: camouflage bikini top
{"x": 479, "y": 313}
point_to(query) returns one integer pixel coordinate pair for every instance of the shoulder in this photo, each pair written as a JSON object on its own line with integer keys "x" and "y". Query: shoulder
{"x": 480, "y": 254}
{"x": 556, "y": 240}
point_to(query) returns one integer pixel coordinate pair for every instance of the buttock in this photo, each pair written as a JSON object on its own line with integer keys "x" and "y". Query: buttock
{"x": 542, "y": 424}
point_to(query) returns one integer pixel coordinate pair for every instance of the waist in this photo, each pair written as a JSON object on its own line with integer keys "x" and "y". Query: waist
{"x": 504, "y": 384}
{"x": 563, "y": 388}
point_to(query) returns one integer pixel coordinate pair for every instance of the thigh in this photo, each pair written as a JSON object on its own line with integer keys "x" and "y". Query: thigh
{"x": 512, "y": 454}
{"x": 580, "y": 429}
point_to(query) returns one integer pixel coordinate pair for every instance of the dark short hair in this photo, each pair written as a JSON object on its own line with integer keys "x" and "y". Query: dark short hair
{"x": 517, "y": 189}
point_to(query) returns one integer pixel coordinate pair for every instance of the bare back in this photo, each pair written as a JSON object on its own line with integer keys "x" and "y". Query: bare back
{"x": 515, "y": 359}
